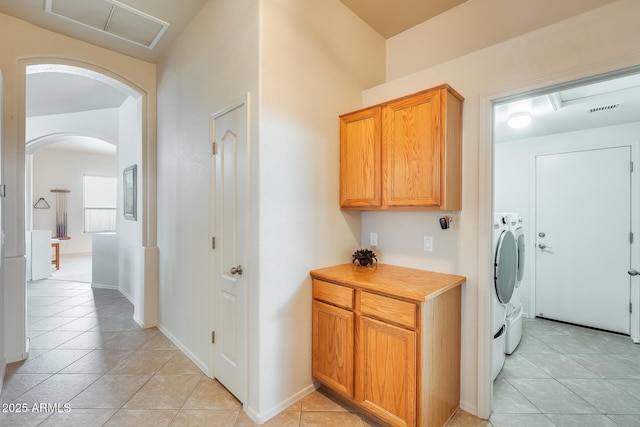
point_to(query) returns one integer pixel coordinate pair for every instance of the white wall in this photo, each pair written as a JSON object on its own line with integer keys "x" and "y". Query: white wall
{"x": 211, "y": 64}
{"x": 54, "y": 168}
{"x": 514, "y": 169}
{"x": 310, "y": 75}
{"x": 597, "y": 41}
{"x": 3, "y": 320}
{"x": 101, "y": 124}
{"x": 21, "y": 44}
{"x": 129, "y": 233}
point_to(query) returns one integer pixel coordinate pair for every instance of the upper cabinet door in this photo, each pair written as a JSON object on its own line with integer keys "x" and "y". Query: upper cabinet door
{"x": 403, "y": 154}
{"x": 412, "y": 152}
{"x": 360, "y": 159}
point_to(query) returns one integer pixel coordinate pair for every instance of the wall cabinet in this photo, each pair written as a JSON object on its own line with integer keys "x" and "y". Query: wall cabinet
{"x": 388, "y": 339}
{"x": 403, "y": 154}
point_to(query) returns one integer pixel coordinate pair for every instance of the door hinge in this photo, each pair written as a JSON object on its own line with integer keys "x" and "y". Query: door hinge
{"x": 213, "y": 243}
{"x": 213, "y": 337}
{"x": 631, "y": 236}
{"x": 214, "y": 148}
{"x": 3, "y": 190}
{"x": 632, "y": 167}
{"x": 630, "y": 307}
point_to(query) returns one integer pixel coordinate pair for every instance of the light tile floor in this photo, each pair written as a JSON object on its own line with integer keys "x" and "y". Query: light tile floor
{"x": 565, "y": 375}
{"x": 91, "y": 365}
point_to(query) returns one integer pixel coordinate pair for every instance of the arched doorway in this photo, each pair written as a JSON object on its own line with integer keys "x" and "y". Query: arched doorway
{"x": 137, "y": 260}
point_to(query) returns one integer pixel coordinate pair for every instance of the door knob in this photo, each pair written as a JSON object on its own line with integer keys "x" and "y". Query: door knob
{"x": 633, "y": 272}
{"x": 236, "y": 270}
{"x": 542, "y": 245}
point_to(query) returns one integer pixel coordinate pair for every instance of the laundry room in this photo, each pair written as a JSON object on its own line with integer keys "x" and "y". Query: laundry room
{"x": 566, "y": 304}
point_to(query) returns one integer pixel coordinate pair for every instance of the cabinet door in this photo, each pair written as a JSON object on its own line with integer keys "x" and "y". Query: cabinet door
{"x": 360, "y": 155}
{"x": 333, "y": 344}
{"x": 386, "y": 371}
{"x": 412, "y": 152}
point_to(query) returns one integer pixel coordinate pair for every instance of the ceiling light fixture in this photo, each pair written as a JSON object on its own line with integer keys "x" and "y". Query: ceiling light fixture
{"x": 519, "y": 120}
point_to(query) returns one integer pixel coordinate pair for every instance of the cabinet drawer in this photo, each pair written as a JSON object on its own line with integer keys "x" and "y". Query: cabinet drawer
{"x": 334, "y": 294}
{"x": 390, "y": 309}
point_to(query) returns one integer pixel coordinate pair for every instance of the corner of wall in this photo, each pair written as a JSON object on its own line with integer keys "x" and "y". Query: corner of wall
{"x": 14, "y": 303}
{"x": 260, "y": 418}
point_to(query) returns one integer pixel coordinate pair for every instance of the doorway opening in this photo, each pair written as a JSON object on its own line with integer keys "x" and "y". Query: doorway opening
{"x": 562, "y": 168}
{"x": 82, "y": 129}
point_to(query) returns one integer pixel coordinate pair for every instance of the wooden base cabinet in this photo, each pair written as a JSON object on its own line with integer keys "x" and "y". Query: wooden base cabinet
{"x": 392, "y": 350}
{"x": 333, "y": 344}
{"x": 386, "y": 378}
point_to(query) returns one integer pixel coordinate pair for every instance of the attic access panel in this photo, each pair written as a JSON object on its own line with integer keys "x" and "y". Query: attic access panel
{"x": 111, "y": 17}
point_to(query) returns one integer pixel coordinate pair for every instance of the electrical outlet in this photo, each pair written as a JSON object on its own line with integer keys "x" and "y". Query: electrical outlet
{"x": 373, "y": 239}
{"x": 428, "y": 244}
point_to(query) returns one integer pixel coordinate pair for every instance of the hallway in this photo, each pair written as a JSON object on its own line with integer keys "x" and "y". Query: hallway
{"x": 90, "y": 364}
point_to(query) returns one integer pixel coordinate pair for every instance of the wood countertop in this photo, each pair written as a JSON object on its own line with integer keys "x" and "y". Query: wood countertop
{"x": 401, "y": 282}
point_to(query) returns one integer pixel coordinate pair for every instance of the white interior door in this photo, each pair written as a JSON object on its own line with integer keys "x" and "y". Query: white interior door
{"x": 230, "y": 269}
{"x": 583, "y": 248}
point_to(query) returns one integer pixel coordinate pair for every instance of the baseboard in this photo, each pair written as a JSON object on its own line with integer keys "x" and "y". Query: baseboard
{"x": 22, "y": 356}
{"x": 126, "y": 295}
{"x": 3, "y": 370}
{"x": 260, "y": 418}
{"x": 203, "y": 366}
{"x": 467, "y": 407}
{"x": 99, "y": 286}
{"x": 145, "y": 325}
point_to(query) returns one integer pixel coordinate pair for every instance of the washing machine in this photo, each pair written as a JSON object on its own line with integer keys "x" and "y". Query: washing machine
{"x": 514, "y": 308}
{"x": 504, "y": 278}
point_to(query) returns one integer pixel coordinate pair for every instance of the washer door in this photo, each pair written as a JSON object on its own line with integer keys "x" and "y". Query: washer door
{"x": 505, "y": 266}
{"x": 520, "y": 247}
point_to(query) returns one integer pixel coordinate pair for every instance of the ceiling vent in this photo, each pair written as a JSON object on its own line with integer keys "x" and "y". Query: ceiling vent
{"x": 111, "y": 17}
{"x": 604, "y": 108}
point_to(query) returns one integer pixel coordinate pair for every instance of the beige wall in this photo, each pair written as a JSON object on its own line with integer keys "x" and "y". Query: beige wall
{"x": 471, "y": 26}
{"x": 598, "y": 41}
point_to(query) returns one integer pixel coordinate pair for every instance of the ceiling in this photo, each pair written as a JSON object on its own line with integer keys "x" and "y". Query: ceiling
{"x": 54, "y": 93}
{"x": 178, "y": 13}
{"x": 389, "y": 18}
{"x": 608, "y": 102}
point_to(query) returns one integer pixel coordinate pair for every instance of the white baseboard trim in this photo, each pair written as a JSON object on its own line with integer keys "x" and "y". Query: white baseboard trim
{"x": 99, "y": 286}
{"x": 260, "y": 418}
{"x": 3, "y": 370}
{"x": 200, "y": 364}
{"x": 126, "y": 295}
{"x": 467, "y": 407}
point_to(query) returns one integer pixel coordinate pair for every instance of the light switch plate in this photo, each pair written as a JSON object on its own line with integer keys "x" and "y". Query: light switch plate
{"x": 428, "y": 244}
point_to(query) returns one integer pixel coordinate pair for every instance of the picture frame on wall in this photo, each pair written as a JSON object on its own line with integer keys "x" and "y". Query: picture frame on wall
{"x": 129, "y": 179}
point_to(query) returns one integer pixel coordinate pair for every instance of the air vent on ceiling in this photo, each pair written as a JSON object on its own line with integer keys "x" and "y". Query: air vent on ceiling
{"x": 111, "y": 17}
{"x": 604, "y": 108}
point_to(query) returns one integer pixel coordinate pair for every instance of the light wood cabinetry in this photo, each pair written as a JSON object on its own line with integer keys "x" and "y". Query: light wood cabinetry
{"x": 333, "y": 345}
{"x": 403, "y": 154}
{"x": 386, "y": 377}
{"x": 388, "y": 339}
